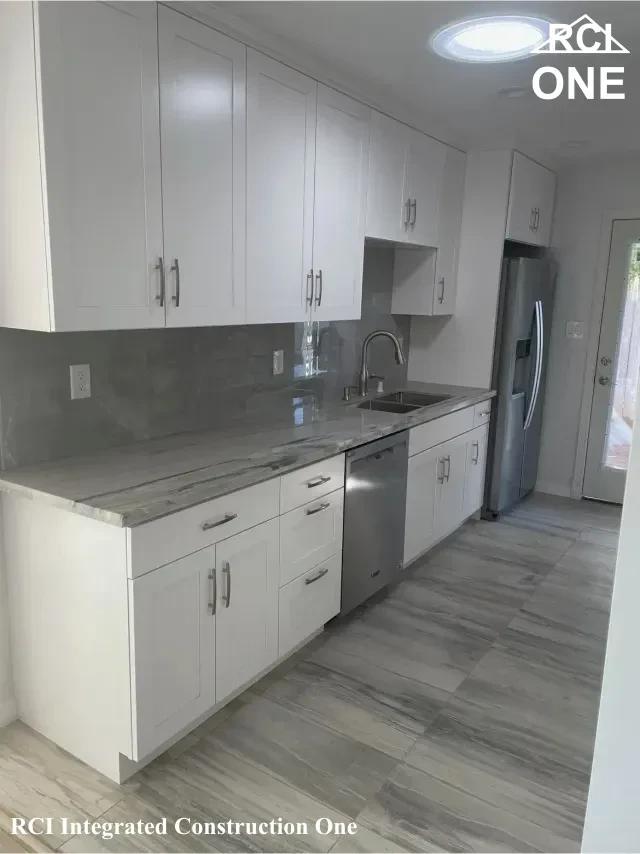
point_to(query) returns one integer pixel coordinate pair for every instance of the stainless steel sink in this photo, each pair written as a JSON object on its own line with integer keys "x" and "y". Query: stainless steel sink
{"x": 415, "y": 399}
{"x": 388, "y": 406}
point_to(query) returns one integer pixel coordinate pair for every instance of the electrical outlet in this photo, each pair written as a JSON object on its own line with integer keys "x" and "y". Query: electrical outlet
{"x": 278, "y": 362}
{"x": 80, "y": 376}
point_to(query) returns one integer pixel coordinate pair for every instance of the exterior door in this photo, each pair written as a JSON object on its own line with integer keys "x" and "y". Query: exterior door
{"x": 613, "y": 410}
{"x": 281, "y": 134}
{"x": 99, "y": 65}
{"x": 202, "y": 105}
{"x": 342, "y": 160}
{"x": 173, "y": 648}
{"x": 248, "y": 570}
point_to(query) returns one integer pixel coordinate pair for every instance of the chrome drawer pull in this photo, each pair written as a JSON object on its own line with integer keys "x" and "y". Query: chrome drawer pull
{"x": 316, "y": 577}
{"x": 226, "y": 570}
{"x": 312, "y": 510}
{"x": 229, "y": 517}
{"x": 214, "y": 592}
{"x": 484, "y": 414}
{"x": 318, "y": 481}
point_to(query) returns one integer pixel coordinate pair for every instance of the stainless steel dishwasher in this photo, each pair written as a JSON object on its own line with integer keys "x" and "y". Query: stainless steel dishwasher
{"x": 374, "y": 513}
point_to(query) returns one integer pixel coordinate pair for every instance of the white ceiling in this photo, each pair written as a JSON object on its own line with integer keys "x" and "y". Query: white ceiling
{"x": 380, "y": 48}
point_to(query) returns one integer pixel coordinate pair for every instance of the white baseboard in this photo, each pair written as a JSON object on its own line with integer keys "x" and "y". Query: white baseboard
{"x": 554, "y": 489}
{"x": 8, "y": 712}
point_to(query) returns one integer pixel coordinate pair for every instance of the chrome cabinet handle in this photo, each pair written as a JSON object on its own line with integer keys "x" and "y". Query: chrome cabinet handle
{"x": 317, "y": 577}
{"x": 407, "y": 220}
{"x": 441, "y": 472}
{"x": 175, "y": 268}
{"x": 310, "y": 511}
{"x": 214, "y": 592}
{"x": 537, "y": 218}
{"x": 318, "y": 481}
{"x": 448, "y": 460}
{"x": 319, "y": 284}
{"x": 229, "y": 517}
{"x": 160, "y": 267}
{"x": 414, "y": 207}
{"x": 476, "y": 446}
{"x": 484, "y": 414}
{"x": 226, "y": 570}
{"x": 310, "y": 287}
{"x": 532, "y": 216}
{"x": 441, "y": 294}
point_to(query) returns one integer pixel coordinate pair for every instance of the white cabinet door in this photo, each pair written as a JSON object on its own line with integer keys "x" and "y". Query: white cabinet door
{"x": 310, "y": 534}
{"x": 475, "y": 469}
{"x": 420, "y": 532}
{"x": 173, "y": 636}
{"x": 308, "y": 602}
{"x": 342, "y": 159}
{"x": 449, "y": 227}
{"x": 530, "y": 202}
{"x": 387, "y": 201}
{"x": 100, "y": 120}
{"x": 247, "y": 567}
{"x": 452, "y": 457}
{"x": 426, "y": 167}
{"x": 202, "y": 100}
{"x": 281, "y": 132}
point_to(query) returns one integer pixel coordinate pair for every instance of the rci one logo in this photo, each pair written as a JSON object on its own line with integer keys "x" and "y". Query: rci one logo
{"x": 584, "y": 35}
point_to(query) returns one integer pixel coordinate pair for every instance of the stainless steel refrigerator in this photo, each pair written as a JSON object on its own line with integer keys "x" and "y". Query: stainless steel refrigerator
{"x": 519, "y": 372}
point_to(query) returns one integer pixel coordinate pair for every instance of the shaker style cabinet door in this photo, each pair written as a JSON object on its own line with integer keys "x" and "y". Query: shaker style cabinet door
{"x": 452, "y": 458}
{"x": 342, "y": 159}
{"x": 248, "y": 569}
{"x": 475, "y": 469}
{"x": 101, "y": 159}
{"x": 426, "y": 167}
{"x": 203, "y": 130}
{"x": 449, "y": 228}
{"x": 419, "y": 532}
{"x": 531, "y": 198}
{"x": 281, "y": 133}
{"x": 173, "y": 637}
{"x": 387, "y": 197}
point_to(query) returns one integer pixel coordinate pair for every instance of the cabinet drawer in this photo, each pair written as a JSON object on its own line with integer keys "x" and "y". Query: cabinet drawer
{"x": 435, "y": 432}
{"x": 167, "y": 539}
{"x": 310, "y": 534}
{"x": 308, "y": 602}
{"x": 482, "y": 413}
{"x": 304, "y": 485}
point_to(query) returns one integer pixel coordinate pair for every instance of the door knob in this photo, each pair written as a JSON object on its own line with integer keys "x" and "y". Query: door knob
{"x": 604, "y": 380}
{"x": 605, "y": 360}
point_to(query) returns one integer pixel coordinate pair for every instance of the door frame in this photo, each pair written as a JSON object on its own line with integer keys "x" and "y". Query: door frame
{"x": 597, "y": 310}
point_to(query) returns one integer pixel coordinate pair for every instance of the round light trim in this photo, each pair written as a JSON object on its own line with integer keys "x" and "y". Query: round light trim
{"x": 499, "y": 38}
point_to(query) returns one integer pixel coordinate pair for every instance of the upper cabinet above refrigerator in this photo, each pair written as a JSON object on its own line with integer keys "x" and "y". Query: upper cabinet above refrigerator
{"x": 531, "y": 200}
{"x": 405, "y": 172}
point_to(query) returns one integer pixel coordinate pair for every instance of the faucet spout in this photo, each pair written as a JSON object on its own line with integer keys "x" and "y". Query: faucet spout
{"x": 363, "y": 376}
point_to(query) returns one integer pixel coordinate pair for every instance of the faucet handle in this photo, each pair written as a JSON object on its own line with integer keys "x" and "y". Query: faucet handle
{"x": 346, "y": 394}
{"x": 380, "y": 379}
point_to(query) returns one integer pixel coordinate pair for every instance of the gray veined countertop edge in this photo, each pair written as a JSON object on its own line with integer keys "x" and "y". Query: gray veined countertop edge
{"x": 143, "y": 481}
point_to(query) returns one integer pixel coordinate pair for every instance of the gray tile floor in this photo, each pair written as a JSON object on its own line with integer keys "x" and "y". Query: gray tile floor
{"x": 456, "y": 713}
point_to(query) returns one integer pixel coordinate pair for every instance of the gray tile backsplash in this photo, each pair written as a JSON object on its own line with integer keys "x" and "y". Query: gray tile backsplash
{"x": 154, "y": 382}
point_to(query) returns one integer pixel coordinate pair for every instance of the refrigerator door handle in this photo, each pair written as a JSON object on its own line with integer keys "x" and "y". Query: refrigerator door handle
{"x": 539, "y": 357}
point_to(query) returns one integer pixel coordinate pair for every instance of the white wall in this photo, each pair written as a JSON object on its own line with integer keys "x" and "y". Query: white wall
{"x": 612, "y": 822}
{"x": 584, "y": 193}
{"x": 7, "y": 702}
{"x": 459, "y": 349}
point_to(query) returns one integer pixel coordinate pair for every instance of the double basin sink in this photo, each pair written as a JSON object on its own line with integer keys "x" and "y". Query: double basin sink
{"x": 403, "y": 401}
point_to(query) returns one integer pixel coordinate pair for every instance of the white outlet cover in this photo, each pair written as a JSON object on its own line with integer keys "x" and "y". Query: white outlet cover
{"x": 80, "y": 381}
{"x": 575, "y": 329}
{"x": 278, "y": 362}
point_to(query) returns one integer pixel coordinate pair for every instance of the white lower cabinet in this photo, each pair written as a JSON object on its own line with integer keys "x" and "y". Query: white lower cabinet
{"x": 308, "y": 602}
{"x": 450, "y": 486}
{"x": 247, "y": 570}
{"x": 475, "y": 469}
{"x": 419, "y": 531}
{"x": 173, "y": 649}
{"x": 310, "y": 534}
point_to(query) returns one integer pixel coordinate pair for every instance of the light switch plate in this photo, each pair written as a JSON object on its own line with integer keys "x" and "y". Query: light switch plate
{"x": 278, "y": 362}
{"x": 80, "y": 377}
{"x": 575, "y": 329}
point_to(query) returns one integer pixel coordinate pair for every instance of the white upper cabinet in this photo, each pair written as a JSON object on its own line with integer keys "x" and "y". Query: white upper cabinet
{"x": 449, "y": 226}
{"x": 202, "y": 109}
{"x": 342, "y": 158}
{"x": 387, "y": 205}
{"x": 281, "y": 135}
{"x": 426, "y": 167}
{"x": 100, "y": 146}
{"x": 531, "y": 200}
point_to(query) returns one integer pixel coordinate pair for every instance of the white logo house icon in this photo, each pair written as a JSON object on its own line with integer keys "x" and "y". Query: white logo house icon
{"x": 584, "y": 35}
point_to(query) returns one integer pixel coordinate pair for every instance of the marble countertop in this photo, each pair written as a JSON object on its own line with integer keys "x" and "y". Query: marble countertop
{"x": 137, "y": 483}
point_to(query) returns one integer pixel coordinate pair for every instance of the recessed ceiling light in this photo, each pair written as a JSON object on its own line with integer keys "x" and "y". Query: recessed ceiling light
{"x": 499, "y": 38}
